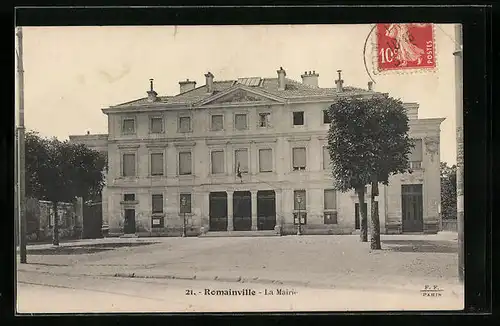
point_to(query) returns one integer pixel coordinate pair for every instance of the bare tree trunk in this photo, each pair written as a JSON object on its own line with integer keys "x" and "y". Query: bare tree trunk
{"x": 364, "y": 220}
{"x": 55, "y": 236}
{"x": 375, "y": 229}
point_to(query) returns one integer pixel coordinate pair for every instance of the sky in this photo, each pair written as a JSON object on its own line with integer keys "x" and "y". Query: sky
{"x": 71, "y": 73}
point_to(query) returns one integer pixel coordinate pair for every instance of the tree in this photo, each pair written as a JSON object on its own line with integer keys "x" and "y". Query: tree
{"x": 60, "y": 171}
{"x": 448, "y": 191}
{"x": 368, "y": 141}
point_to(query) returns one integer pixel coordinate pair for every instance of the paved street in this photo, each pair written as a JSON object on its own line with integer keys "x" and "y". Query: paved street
{"x": 105, "y": 294}
{"x": 331, "y": 266}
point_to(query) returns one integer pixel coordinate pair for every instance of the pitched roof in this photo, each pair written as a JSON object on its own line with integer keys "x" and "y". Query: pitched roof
{"x": 293, "y": 89}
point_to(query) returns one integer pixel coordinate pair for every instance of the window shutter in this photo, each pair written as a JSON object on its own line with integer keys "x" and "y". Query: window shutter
{"x": 330, "y": 199}
{"x": 157, "y": 203}
{"x": 128, "y": 126}
{"x": 216, "y": 122}
{"x": 240, "y": 121}
{"x": 299, "y": 157}
{"x": 128, "y": 165}
{"x": 241, "y": 157}
{"x": 326, "y": 158}
{"x": 217, "y": 162}
{"x": 265, "y": 160}
{"x": 416, "y": 153}
{"x": 156, "y": 125}
{"x": 185, "y": 163}
{"x": 157, "y": 164}
{"x": 185, "y": 124}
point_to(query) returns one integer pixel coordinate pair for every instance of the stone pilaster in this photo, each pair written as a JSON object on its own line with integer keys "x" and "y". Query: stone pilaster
{"x": 230, "y": 210}
{"x": 254, "y": 210}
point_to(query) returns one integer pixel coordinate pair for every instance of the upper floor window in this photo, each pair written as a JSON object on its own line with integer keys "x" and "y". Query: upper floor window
{"x": 184, "y": 124}
{"x": 298, "y": 118}
{"x": 156, "y": 163}
{"x": 185, "y": 163}
{"x": 217, "y": 122}
{"x": 326, "y": 158}
{"x": 128, "y": 161}
{"x": 241, "y": 159}
{"x": 326, "y": 117}
{"x": 240, "y": 121}
{"x": 157, "y": 203}
{"x": 265, "y": 160}
{"x": 299, "y": 158}
{"x": 217, "y": 162}
{"x": 156, "y": 125}
{"x": 264, "y": 119}
{"x": 416, "y": 155}
{"x": 128, "y": 126}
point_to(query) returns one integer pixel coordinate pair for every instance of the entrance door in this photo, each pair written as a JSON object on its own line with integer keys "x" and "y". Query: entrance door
{"x": 129, "y": 223}
{"x": 266, "y": 210}
{"x": 92, "y": 220}
{"x": 218, "y": 211}
{"x": 412, "y": 208}
{"x": 242, "y": 211}
{"x": 357, "y": 215}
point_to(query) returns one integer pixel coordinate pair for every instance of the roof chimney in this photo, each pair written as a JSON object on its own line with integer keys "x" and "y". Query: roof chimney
{"x": 151, "y": 93}
{"x": 281, "y": 79}
{"x": 186, "y": 85}
{"x": 209, "y": 82}
{"x": 339, "y": 82}
{"x": 411, "y": 110}
{"x": 310, "y": 79}
{"x": 370, "y": 86}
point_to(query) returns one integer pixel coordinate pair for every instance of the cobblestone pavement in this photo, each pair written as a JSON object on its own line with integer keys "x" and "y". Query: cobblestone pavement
{"x": 406, "y": 262}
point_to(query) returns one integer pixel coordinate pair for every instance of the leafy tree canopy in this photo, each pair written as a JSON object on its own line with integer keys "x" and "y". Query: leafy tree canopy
{"x": 448, "y": 191}
{"x": 59, "y": 171}
{"x": 367, "y": 137}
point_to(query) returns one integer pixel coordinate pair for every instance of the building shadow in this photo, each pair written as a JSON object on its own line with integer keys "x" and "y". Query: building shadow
{"x": 84, "y": 249}
{"x": 437, "y": 246}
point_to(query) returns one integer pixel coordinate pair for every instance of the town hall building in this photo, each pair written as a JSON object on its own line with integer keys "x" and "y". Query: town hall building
{"x": 249, "y": 155}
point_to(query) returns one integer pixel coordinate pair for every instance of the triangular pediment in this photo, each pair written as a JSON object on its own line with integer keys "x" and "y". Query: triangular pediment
{"x": 238, "y": 95}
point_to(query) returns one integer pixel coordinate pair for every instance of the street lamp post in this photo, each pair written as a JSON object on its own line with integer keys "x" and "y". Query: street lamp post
{"x": 299, "y": 202}
{"x": 183, "y": 206}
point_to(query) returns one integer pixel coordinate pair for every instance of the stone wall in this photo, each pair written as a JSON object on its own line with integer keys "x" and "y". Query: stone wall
{"x": 40, "y": 218}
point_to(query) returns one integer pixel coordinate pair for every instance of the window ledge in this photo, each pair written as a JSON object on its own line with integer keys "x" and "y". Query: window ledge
{"x": 157, "y": 215}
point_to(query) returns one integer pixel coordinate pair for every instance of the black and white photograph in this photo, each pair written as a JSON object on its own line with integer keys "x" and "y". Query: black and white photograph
{"x": 239, "y": 168}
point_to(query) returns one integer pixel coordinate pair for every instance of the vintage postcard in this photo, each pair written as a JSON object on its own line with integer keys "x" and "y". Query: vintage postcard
{"x": 252, "y": 168}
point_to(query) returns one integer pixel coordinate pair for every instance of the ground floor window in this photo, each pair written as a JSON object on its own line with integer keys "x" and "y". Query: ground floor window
{"x": 330, "y": 206}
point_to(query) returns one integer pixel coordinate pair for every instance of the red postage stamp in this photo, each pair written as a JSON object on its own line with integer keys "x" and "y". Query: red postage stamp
{"x": 405, "y": 47}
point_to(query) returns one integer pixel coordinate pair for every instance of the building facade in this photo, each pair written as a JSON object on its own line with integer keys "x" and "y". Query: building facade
{"x": 249, "y": 155}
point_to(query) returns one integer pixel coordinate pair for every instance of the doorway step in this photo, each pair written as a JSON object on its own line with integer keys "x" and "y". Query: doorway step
{"x": 262, "y": 233}
{"x": 129, "y": 236}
